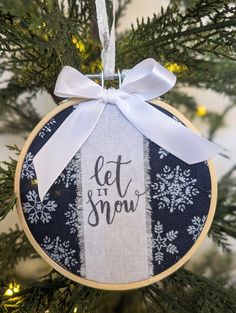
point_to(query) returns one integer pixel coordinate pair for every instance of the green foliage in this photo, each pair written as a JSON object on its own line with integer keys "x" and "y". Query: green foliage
{"x": 224, "y": 223}
{"x": 53, "y": 293}
{"x": 14, "y": 247}
{"x": 17, "y": 111}
{"x": 39, "y": 37}
{"x": 121, "y": 9}
{"x": 197, "y": 292}
{"x": 34, "y": 48}
{"x": 36, "y": 44}
{"x": 7, "y": 196}
{"x": 182, "y": 292}
{"x": 217, "y": 265}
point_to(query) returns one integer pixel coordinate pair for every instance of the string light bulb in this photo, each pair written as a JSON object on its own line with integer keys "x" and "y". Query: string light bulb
{"x": 8, "y": 293}
{"x": 12, "y": 289}
{"x": 201, "y": 110}
{"x": 175, "y": 67}
{"x": 43, "y": 25}
{"x": 78, "y": 44}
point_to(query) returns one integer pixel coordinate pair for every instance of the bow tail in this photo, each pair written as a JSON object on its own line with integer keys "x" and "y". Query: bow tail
{"x": 166, "y": 132}
{"x": 69, "y": 137}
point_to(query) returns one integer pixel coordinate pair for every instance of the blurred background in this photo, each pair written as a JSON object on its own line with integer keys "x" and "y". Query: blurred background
{"x": 208, "y": 259}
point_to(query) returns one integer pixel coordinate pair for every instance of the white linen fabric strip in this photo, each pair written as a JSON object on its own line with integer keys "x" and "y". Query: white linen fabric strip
{"x": 148, "y": 207}
{"x": 80, "y": 221}
{"x": 114, "y": 202}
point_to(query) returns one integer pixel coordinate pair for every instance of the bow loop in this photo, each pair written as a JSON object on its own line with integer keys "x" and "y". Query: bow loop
{"x": 148, "y": 80}
{"x": 73, "y": 84}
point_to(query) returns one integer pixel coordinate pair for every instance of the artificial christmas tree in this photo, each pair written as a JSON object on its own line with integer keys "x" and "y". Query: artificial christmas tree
{"x": 196, "y": 41}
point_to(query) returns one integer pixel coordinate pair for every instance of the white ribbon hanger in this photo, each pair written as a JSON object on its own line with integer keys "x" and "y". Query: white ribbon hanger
{"x": 107, "y": 39}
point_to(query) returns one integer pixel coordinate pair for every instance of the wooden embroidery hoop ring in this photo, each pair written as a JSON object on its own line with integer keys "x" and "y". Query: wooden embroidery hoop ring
{"x": 94, "y": 284}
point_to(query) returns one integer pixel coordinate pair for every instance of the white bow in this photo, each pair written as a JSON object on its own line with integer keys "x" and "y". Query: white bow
{"x": 147, "y": 80}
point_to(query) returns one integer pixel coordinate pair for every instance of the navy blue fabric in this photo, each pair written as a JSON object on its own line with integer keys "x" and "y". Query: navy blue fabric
{"x": 57, "y": 192}
{"x": 175, "y": 234}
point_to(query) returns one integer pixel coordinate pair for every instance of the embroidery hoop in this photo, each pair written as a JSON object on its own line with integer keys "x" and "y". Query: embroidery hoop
{"x": 95, "y": 284}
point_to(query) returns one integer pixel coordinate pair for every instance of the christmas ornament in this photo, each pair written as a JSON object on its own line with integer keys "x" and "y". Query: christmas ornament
{"x": 115, "y": 192}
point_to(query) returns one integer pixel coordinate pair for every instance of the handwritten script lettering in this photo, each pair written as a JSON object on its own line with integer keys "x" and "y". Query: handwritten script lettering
{"x": 107, "y": 174}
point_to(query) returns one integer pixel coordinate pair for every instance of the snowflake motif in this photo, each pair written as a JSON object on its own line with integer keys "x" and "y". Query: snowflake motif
{"x": 162, "y": 153}
{"x": 72, "y": 218}
{"x": 163, "y": 243}
{"x": 47, "y": 128}
{"x": 60, "y": 251}
{"x": 37, "y": 210}
{"x": 196, "y": 227}
{"x": 70, "y": 173}
{"x": 174, "y": 189}
{"x": 28, "y": 167}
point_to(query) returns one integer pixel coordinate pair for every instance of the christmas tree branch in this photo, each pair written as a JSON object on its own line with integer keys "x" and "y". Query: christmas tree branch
{"x": 185, "y": 291}
{"x": 182, "y": 292}
{"x": 14, "y": 247}
{"x": 54, "y": 293}
{"x": 198, "y": 30}
{"x": 17, "y": 113}
{"x": 121, "y": 9}
{"x": 7, "y": 196}
{"x": 200, "y": 37}
{"x": 37, "y": 38}
{"x": 224, "y": 223}
{"x": 217, "y": 120}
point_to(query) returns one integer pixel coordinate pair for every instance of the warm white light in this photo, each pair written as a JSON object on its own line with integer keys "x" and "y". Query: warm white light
{"x": 9, "y": 292}
{"x": 12, "y": 288}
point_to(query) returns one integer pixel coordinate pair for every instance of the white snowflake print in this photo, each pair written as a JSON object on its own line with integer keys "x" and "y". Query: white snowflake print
{"x": 47, "y": 128}
{"x": 174, "y": 188}
{"x": 70, "y": 174}
{"x": 60, "y": 251}
{"x": 28, "y": 167}
{"x": 163, "y": 243}
{"x": 196, "y": 227}
{"x": 37, "y": 210}
{"x": 72, "y": 217}
{"x": 162, "y": 153}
